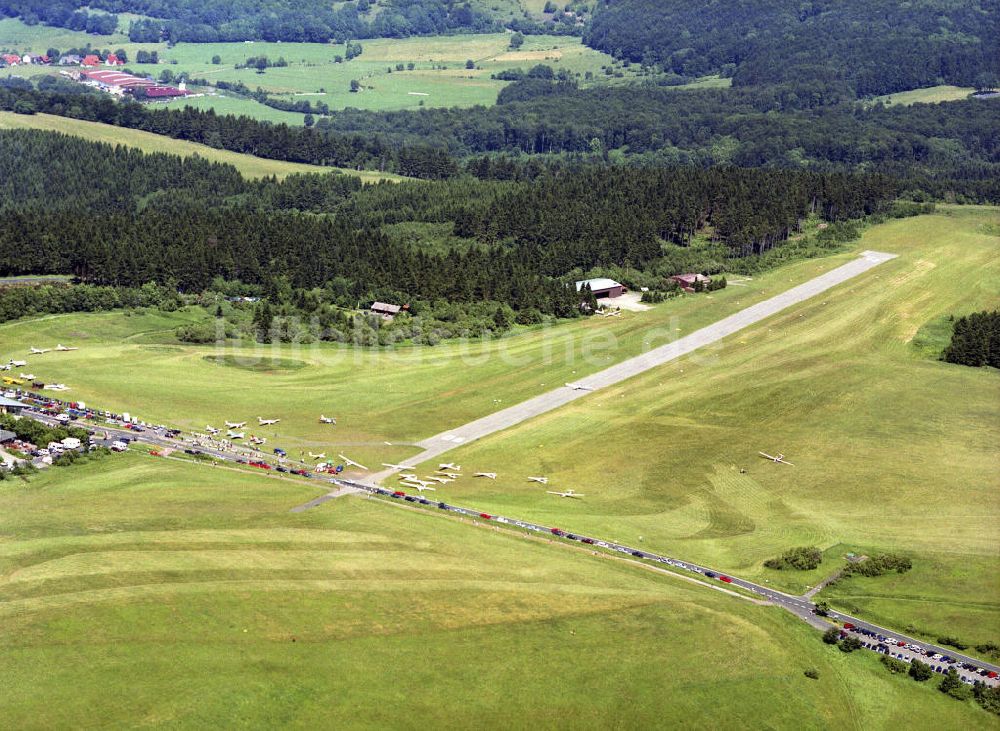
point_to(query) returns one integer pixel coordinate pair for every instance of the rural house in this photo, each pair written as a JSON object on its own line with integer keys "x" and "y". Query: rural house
{"x": 688, "y": 282}
{"x": 603, "y": 288}
{"x": 386, "y": 310}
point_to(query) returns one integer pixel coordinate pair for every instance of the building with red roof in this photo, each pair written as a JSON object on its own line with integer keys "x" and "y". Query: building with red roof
{"x": 91, "y": 60}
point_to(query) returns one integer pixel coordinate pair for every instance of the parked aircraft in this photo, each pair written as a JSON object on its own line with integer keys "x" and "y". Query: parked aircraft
{"x": 38, "y": 351}
{"x": 236, "y": 424}
{"x": 327, "y": 419}
{"x": 418, "y": 484}
{"x": 352, "y": 462}
{"x": 321, "y": 455}
{"x": 442, "y": 480}
{"x": 266, "y": 422}
{"x": 28, "y": 376}
{"x": 489, "y": 475}
{"x": 211, "y": 429}
{"x": 452, "y": 475}
{"x": 568, "y": 493}
{"x": 57, "y": 387}
{"x": 62, "y": 348}
{"x": 19, "y": 363}
{"x": 395, "y": 466}
{"x": 235, "y": 434}
{"x": 543, "y": 480}
{"x": 450, "y": 466}
{"x": 775, "y": 458}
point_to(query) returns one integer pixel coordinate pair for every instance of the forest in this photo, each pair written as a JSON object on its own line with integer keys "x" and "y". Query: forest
{"x": 975, "y": 340}
{"x": 205, "y": 21}
{"x": 118, "y": 217}
{"x": 798, "y": 126}
{"x": 873, "y": 46}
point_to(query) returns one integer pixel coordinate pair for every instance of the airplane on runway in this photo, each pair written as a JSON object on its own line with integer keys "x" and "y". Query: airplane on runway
{"x": 490, "y": 475}
{"x": 776, "y": 458}
{"x": 450, "y": 466}
{"x": 352, "y": 462}
{"x": 211, "y": 429}
{"x": 542, "y": 480}
{"x": 64, "y": 349}
{"x": 578, "y": 387}
{"x": 395, "y": 466}
{"x": 327, "y": 419}
{"x": 236, "y": 424}
{"x": 235, "y": 434}
{"x": 568, "y": 493}
{"x": 38, "y": 351}
{"x": 321, "y": 455}
{"x": 266, "y": 422}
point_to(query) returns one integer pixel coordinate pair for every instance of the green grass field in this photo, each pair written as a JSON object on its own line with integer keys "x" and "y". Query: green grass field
{"x": 248, "y": 165}
{"x": 439, "y": 77}
{"x": 928, "y": 95}
{"x": 398, "y": 395}
{"x": 145, "y": 591}
{"x": 892, "y": 450}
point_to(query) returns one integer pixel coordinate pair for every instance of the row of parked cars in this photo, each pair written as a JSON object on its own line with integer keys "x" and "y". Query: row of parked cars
{"x": 907, "y": 651}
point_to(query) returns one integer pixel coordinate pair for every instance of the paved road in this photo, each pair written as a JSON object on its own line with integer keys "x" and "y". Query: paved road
{"x": 440, "y": 443}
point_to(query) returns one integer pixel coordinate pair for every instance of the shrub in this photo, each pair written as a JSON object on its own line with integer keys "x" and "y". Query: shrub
{"x": 812, "y": 673}
{"x": 920, "y": 671}
{"x": 831, "y": 636}
{"x": 878, "y": 565}
{"x": 951, "y": 685}
{"x": 804, "y": 558}
{"x": 953, "y": 642}
{"x": 850, "y": 644}
{"x": 893, "y": 665}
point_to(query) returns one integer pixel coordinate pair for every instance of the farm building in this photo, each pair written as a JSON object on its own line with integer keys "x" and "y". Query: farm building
{"x": 113, "y": 60}
{"x": 386, "y": 310}
{"x": 118, "y": 83}
{"x": 70, "y": 59}
{"x": 91, "y": 60}
{"x": 9, "y": 406}
{"x": 603, "y": 288}
{"x": 689, "y": 281}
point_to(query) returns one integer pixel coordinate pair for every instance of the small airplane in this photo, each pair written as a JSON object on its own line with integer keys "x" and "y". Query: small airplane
{"x": 418, "y": 484}
{"x": 542, "y": 480}
{"x": 441, "y": 480}
{"x": 258, "y": 440}
{"x": 568, "y": 493}
{"x": 452, "y": 475}
{"x": 19, "y": 363}
{"x": 611, "y": 313}
{"x": 775, "y": 458}
{"x": 395, "y": 466}
{"x": 28, "y": 376}
{"x": 321, "y": 455}
{"x": 407, "y": 476}
{"x": 235, "y": 434}
{"x": 64, "y": 349}
{"x": 211, "y": 429}
{"x": 38, "y": 351}
{"x": 352, "y": 462}
{"x": 235, "y": 424}
{"x": 57, "y": 387}
{"x": 266, "y": 422}
{"x": 489, "y": 475}
{"x": 578, "y": 387}
{"x": 451, "y": 466}
{"x": 327, "y": 419}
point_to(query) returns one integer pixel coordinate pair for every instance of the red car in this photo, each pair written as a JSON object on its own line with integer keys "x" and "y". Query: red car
{"x": 399, "y": 493}
{"x": 726, "y": 579}
{"x": 848, "y": 625}
{"x": 485, "y": 516}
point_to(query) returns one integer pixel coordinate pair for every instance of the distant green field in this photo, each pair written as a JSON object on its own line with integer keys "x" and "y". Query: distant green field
{"x": 248, "y": 165}
{"x": 141, "y": 591}
{"x": 929, "y": 95}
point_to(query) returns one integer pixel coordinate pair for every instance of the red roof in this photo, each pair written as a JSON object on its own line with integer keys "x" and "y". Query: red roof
{"x": 164, "y": 91}
{"x": 11, "y": 58}
{"x": 91, "y": 60}
{"x": 117, "y": 78}
{"x": 114, "y": 60}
